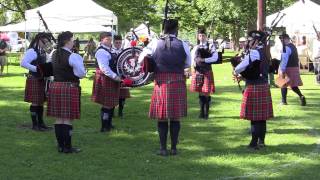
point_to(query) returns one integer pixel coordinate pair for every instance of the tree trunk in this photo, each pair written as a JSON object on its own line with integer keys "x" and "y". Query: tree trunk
{"x": 235, "y": 37}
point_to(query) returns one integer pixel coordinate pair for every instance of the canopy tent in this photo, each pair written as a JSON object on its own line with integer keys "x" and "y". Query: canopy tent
{"x": 62, "y": 15}
{"x": 36, "y": 26}
{"x": 142, "y": 30}
{"x": 299, "y": 17}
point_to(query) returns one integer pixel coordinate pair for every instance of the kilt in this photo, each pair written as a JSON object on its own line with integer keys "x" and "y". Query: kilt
{"x": 124, "y": 93}
{"x": 206, "y": 87}
{"x": 169, "y": 97}
{"x": 35, "y": 90}
{"x": 256, "y": 103}
{"x": 64, "y": 100}
{"x": 105, "y": 91}
{"x": 294, "y": 75}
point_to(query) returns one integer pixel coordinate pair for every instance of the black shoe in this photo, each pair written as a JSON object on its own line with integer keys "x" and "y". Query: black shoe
{"x": 303, "y": 101}
{"x": 60, "y": 150}
{"x": 283, "y": 103}
{"x": 71, "y": 150}
{"x": 173, "y": 152}
{"x": 261, "y": 144}
{"x": 163, "y": 152}
{"x": 253, "y": 147}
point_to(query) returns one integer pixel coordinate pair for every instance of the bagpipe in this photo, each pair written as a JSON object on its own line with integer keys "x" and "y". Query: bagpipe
{"x": 133, "y": 73}
{"x": 254, "y": 69}
{"x": 45, "y": 70}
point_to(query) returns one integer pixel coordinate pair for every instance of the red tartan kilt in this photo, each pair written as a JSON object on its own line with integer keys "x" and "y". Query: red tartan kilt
{"x": 207, "y": 86}
{"x": 124, "y": 93}
{"x": 169, "y": 98}
{"x": 64, "y": 100}
{"x": 256, "y": 103}
{"x": 35, "y": 91}
{"x": 105, "y": 91}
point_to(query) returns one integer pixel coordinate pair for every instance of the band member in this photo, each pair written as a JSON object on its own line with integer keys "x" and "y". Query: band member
{"x": 256, "y": 103}
{"x": 124, "y": 91}
{"x": 289, "y": 67}
{"x": 203, "y": 55}
{"x": 36, "y": 56}
{"x": 64, "y": 92}
{"x": 169, "y": 99}
{"x": 316, "y": 57}
{"x": 106, "y": 85}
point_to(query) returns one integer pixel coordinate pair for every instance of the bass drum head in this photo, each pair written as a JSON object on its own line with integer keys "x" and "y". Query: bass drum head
{"x": 128, "y": 67}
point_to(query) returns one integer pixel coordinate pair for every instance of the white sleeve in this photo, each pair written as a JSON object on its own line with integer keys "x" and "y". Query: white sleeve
{"x": 148, "y": 50}
{"x": 193, "y": 55}
{"x": 285, "y": 59}
{"x": 213, "y": 58}
{"x": 103, "y": 57}
{"x": 188, "y": 57}
{"x": 76, "y": 62}
{"x": 29, "y": 56}
{"x": 254, "y": 54}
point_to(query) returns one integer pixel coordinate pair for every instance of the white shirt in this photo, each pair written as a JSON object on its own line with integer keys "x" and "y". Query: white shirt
{"x": 285, "y": 59}
{"x": 76, "y": 62}
{"x": 211, "y": 59}
{"x": 28, "y": 57}
{"x": 152, "y": 46}
{"x": 254, "y": 54}
{"x": 103, "y": 57}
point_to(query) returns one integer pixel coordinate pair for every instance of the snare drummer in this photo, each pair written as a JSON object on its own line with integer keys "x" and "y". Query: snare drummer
{"x": 106, "y": 84}
{"x": 35, "y": 56}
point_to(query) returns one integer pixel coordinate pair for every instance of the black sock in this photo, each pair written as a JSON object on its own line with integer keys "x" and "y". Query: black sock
{"x": 263, "y": 126}
{"x": 105, "y": 115}
{"x": 163, "y": 133}
{"x": 207, "y": 106}
{"x": 297, "y": 91}
{"x": 67, "y": 129}
{"x": 111, "y": 117}
{"x": 40, "y": 115}
{"x": 33, "y": 112}
{"x": 284, "y": 92}
{"x": 121, "y": 103}
{"x": 174, "y": 133}
{"x": 59, "y": 135}
{"x": 254, "y": 134}
{"x": 202, "y": 103}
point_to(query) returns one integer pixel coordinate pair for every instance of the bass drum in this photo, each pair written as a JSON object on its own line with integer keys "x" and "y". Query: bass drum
{"x": 128, "y": 67}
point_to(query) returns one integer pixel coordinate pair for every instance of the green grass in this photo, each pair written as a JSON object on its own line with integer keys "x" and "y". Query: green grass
{"x": 213, "y": 149}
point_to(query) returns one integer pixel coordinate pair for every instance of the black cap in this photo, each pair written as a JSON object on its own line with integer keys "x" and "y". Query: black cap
{"x": 201, "y": 30}
{"x": 170, "y": 26}
{"x": 117, "y": 37}
{"x": 284, "y": 36}
{"x": 256, "y": 35}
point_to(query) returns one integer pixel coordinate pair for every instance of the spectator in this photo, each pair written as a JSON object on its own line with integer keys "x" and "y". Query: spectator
{"x": 3, "y": 58}
{"x": 90, "y": 49}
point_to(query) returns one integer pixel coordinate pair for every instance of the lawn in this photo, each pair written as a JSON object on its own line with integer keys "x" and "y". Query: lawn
{"x": 213, "y": 149}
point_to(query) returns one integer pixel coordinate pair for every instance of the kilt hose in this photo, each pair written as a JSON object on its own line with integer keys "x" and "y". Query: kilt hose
{"x": 124, "y": 93}
{"x": 64, "y": 100}
{"x": 169, "y": 97}
{"x": 202, "y": 83}
{"x": 35, "y": 90}
{"x": 256, "y": 103}
{"x": 294, "y": 75}
{"x": 105, "y": 91}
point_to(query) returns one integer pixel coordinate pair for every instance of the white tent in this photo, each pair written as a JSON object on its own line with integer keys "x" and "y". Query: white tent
{"x": 62, "y": 15}
{"x": 299, "y": 17}
{"x": 142, "y": 29}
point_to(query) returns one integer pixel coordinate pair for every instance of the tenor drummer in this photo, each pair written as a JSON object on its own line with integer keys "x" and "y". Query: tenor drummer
{"x": 106, "y": 84}
{"x": 169, "y": 99}
{"x": 36, "y": 56}
{"x": 124, "y": 91}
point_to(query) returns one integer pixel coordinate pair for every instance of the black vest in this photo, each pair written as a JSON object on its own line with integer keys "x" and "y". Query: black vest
{"x": 293, "y": 60}
{"x": 113, "y": 60}
{"x": 62, "y": 71}
{"x": 257, "y": 71}
{"x": 41, "y": 59}
{"x": 169, "y": 59}
{"x": 203, "y": 52}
